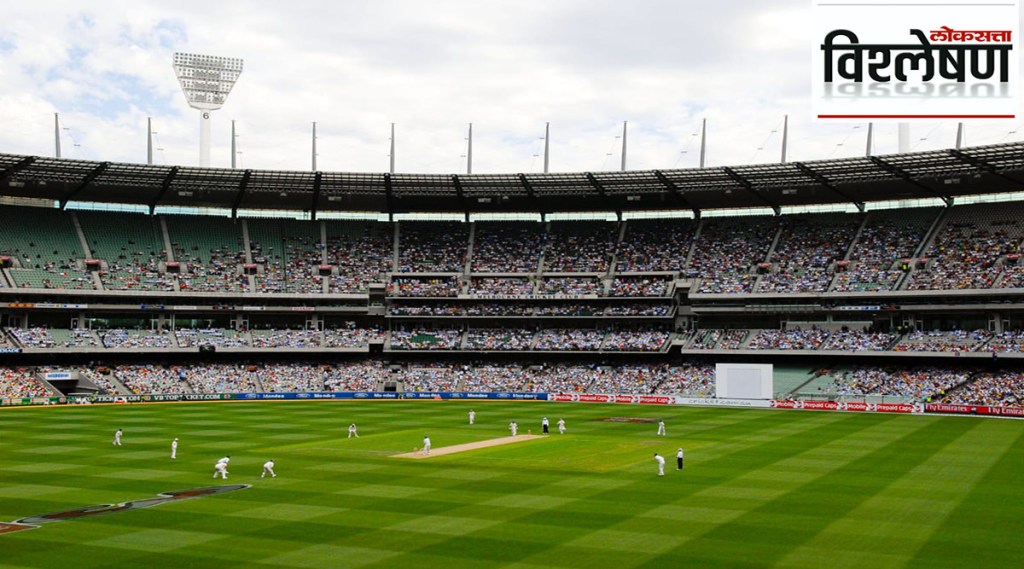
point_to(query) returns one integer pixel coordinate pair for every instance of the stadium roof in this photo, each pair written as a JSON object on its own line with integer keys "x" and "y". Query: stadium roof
{"x": 944, "y": 174}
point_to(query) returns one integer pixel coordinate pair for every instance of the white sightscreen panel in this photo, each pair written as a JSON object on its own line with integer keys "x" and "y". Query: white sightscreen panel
{"x": 744, "y": 381}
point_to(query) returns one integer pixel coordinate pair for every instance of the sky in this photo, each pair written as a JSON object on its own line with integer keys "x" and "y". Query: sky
{"x": 431, "y": 68}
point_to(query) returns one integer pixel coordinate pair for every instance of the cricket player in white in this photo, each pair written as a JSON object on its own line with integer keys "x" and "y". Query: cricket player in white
{"x": 514, "y": 427}
{"x": 222, "y": 467}
{"x": 426, "y": 445}
{"x": 472, "y": 416}
{"x": 661, "y": 464}
{"x": 661, "y": 428}
{"x": 268, "y": 468}
{"x": 174, "y": 448}
{"x": 352, "y": 431}
{"x": 117, "y": 437}
{"x": 561, "y": 426}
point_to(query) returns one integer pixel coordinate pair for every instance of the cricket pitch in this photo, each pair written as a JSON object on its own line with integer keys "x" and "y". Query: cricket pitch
{"x": 441, "y": 451}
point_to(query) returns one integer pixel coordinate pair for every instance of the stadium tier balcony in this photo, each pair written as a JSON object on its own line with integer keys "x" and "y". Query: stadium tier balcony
{"x": 635, "y": 340}
{"x": 293, "y": 339}
{"x": 123, "y": 339}
{"x": 811, "y": 339}
{"x": 218, "y": 337}
{"x": 426, "y": 339}
{"x": 44, "y": 247}
{"x": 54, "y": 338}
{"x": 352, "y": 337}
{"x": 569, "y": 340}
{"x": 887, "y": 237}
{"x": 807, "y": 248}
{"x": 362, "y": 253}
{"x": 573, "y": 286}
{"x": 640, "y": 286}
{"x": 498, "y": 339}
{"x": 424, "y": 287}
{"x": 501, "y": 286}
{"x": 943, "y": 341}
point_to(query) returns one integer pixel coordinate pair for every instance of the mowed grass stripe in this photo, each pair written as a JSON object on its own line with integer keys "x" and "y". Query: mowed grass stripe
{"x": 581, "y": 500}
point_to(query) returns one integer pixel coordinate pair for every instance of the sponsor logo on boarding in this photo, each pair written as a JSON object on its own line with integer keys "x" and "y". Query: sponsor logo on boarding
{"x": 915, "y": 60}
{"x": 33, "y": 522}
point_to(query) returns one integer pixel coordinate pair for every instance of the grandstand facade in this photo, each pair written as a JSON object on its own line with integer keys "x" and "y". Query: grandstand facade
{"x": 893, "y": 277}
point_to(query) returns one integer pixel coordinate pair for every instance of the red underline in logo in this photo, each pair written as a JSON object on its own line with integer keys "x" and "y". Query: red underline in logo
{"x": 917, "y": 116}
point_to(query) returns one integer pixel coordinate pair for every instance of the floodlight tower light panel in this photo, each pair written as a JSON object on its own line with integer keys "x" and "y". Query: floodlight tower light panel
{"x": 206, "y": 80}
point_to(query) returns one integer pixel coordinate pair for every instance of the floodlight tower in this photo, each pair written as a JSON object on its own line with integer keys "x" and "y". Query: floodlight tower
{"x": 206, "y": 81}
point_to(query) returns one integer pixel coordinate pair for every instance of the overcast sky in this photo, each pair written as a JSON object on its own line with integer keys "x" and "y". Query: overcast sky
{"x": 431, "y": 67}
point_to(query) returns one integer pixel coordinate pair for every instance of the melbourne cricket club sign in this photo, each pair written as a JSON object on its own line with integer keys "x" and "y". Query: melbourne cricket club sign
{"x": 915, "y": 60}
{"x": 33, "y": 522}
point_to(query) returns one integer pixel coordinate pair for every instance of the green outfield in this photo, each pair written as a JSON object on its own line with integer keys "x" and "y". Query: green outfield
{"x": 760, "y": 489}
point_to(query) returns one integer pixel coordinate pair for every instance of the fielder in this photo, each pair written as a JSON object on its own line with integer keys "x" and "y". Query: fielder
{"x": 352, "y": 431}
{"x": 472, "y": 416}
{"x": 426, "y": 445}
{"x": 679, "y": 459}
{"x": 268, "y": 468}
{"x": 221, "y": 468}
{"x": 661, "y": 428}
{"x": 661, "y": 464}
{"x": 174, "y": 448}
{"x": 514, "y": 427}
{"x": 117, "y": 437}
{"x": 544, "y": 425}
{"x": 561, "y": 426}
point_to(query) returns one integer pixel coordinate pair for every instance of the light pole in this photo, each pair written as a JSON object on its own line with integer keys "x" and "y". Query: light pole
{"x": 206, "y": 81}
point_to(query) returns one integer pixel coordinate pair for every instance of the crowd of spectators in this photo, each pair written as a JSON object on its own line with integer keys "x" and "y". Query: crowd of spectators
{"x": 102, "y": 380}
{"x": 39, "y": 337}
{"x": 121, "y": 339}
{"x": 943, "y": 341}
{"x": 853, "y": 341}
{"x": 886, "y": 238}
{"x": 640, "y": 286}
{"x": 965, "y": 253}
{"x": 222, "y": 274}
{"x": 570, "y": 286}
{"x": 436, "y": 287}
{"x": 218, "y": 337}
{"x": 433, "y": 247}
{"x": 727, "y": 250}
{"x": 807, "y": 248}
{"x": 278, "y": 378}
{"x": 18, "y": 382}
{"x": 795, "y": 339}
{"x": 426, "y": 339}
{"x": 635, "y": 340}
{"x": 579, "y": 248}
{"x": 362, "y": 255}
{"x": 917, "y": 383}
{"x": 1001, "y": 389}
{"x": 498, "y": 339}
{"x": 352, "y": 337}
{"x": 565, "y": 339}
{"x": 136, "y": 273}
{"x": 654, "y": 245}
{"x": 284, "y": 338}
{"x": 501, "y": 286}
{"x": 1006, "y": 341}
{"x": 507, "y": 247}
{"x": 153, "y": 379}
{"x": 692, "y": 379}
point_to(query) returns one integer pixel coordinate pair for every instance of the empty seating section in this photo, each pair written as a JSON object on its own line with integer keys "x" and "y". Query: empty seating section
{"x": 656, "y": 245}
{"x": 362, "y": 253}
{"x": 727, "y": 250}
{"x": 969, "y": 249}
{"x": 290, "y": 253}
{"x": 433, "y": 247}
{"x": 507, "y": 247}
{"x": 46, "y": 246}
{"x": 808, "y": 246}
{"x": 19, "y": 382}
{"x": 580, "y": 247}
{"x": 132, "y": 245}
{"x": 211, "y": 253}
{"x": 887, "y": 237}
